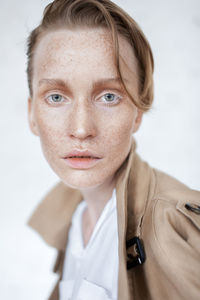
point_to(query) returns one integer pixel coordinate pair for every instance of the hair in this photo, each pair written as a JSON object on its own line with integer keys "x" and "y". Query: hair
{"x": 106, "y": 14}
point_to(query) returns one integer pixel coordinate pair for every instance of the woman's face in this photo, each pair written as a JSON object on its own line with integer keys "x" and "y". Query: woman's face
{"x": 78, "y": 104}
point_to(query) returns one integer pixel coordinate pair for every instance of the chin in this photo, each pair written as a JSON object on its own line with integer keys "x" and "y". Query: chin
{"x": 82, "y": 181}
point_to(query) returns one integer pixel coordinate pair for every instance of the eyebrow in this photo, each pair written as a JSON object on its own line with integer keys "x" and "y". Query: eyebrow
{"x": 65, "y": 84}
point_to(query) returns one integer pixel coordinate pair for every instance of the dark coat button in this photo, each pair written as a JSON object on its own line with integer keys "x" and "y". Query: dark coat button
{"x": 193, "y": 207}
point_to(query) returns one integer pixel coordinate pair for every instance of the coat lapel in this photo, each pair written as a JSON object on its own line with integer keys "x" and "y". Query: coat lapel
{"x": 52, "y": 218}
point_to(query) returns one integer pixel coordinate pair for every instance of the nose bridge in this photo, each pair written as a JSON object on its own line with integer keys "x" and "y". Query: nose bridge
{"x": 82, "y": 119}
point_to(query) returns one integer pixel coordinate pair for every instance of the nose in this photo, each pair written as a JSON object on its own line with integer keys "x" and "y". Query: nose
{"x": 82, "y": 121}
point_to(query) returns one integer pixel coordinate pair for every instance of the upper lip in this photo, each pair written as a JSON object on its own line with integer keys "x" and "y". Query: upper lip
{"x": 81, "y": 153}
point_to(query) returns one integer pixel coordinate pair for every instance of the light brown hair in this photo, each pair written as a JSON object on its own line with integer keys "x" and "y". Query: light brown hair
{"x": 99, "y": 13}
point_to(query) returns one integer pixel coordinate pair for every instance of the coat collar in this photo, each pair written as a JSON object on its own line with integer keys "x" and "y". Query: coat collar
{"x": 52, "y": 218}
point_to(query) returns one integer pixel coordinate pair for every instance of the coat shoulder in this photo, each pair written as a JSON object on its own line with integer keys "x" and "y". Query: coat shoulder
{"x": 177, "y": 196}
{"x": 171, "y": 189}
{"x": 171, "y": 235}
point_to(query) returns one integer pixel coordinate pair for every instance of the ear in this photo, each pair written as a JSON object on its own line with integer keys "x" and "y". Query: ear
{"x": 138, "y": 120}
{"x": 31, "y": 117}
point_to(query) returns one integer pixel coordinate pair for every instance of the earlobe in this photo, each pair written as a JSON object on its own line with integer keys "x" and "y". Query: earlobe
{"x": 138, "y": 120}
{"x": 31, "y": 119}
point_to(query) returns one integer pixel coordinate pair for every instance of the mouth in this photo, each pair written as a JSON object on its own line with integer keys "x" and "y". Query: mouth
{"x": 81, "y": 162}
{"x": 82, "y": 159}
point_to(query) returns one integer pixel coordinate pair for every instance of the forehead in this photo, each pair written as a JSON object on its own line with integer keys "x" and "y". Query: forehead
{"x": 85, "y": 52}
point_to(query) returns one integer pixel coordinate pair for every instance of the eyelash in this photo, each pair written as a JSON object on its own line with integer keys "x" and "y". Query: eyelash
{"x": 105, "y": 103}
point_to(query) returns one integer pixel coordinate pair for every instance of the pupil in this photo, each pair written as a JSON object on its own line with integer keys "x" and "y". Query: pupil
{"x": 56, "y": 98}
{"x": 109, "y": 96}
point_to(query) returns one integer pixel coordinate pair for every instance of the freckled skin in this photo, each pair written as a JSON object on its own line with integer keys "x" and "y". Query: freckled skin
{"x": 83, "y": 121}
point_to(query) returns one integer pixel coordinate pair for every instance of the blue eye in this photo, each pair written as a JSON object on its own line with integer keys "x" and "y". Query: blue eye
{"x": 55, "y": 98}
{"x": 110, "y": 98}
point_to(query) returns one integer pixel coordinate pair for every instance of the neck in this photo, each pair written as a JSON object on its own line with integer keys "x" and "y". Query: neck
{"x": 96, "y": 198}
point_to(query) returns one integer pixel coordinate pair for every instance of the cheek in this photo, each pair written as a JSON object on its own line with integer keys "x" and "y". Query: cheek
{"x": 119, "y": 127}
{"x": 50, "y": 128}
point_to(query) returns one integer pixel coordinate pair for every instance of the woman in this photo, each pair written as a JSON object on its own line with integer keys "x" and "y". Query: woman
{"x": 123, "y": 230}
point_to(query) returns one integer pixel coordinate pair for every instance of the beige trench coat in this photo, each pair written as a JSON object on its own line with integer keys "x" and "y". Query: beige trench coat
{"x": 151, "y": 206}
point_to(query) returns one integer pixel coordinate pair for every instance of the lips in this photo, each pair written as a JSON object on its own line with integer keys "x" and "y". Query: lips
{"x": 81, "y": 154}
{"x": 81, "y": 159}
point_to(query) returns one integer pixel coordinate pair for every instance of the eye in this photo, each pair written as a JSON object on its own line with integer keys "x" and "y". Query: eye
{"x": 55, "y": 98}
{"x": 111, "y": 98}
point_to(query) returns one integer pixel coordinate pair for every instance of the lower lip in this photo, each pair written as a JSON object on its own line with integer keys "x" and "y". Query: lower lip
{"x": 81, "y": 163}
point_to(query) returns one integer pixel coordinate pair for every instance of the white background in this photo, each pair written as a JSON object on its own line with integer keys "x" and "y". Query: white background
{"x": 168, "y": 138}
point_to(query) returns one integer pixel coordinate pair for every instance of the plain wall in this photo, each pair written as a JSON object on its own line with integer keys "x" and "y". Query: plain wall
{"x": 168, "y": 138}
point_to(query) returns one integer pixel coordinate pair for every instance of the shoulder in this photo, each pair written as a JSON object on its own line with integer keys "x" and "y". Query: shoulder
{"x": 171, "y": 234}
{"x": 170, "y": 187}
{"x": 177, "y": 198}
{"x": 173, "y": 222}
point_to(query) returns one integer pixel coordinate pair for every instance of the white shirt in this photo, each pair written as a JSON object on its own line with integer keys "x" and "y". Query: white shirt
{"x": 91, "y": 272}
